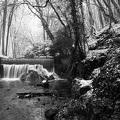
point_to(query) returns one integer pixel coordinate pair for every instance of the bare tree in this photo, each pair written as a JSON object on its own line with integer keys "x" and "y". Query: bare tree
{"x": 78, "y": 30}
{"x": 39, "y": 14}
{"x": 9, "y": 23}
{"x": 4, "y": 26}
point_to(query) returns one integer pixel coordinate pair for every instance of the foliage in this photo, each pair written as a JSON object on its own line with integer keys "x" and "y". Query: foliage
{"x": 62, "y": 45}
{"x": 37, "y": 51}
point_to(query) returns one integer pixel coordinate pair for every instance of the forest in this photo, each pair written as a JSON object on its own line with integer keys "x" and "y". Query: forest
{"x": 83, "y": 38}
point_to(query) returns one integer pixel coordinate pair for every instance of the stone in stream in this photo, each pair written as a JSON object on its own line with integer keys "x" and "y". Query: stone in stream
{"x": 24, "y": 76}
{"x": 51, "y": 113}
{"x": 33, "y": 78}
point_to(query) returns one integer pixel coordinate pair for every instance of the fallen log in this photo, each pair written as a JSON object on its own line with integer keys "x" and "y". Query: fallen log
{"x": 32, "y": 95}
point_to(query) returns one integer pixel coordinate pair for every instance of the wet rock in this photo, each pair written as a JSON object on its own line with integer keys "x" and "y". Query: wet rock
{"x": 34, "y": 75}
{"x": 51, "y": 113}
{"x": 53, "y": 76}
{"x": 45, "y": 84}
{"x": 24, "y": 76}
{"x": 95, "y": 73}
{"x": 84, "y": 90}
{"x": 42, "y": 71}
{"x": 81, "y": 87}
{"x": 33, "y": 78}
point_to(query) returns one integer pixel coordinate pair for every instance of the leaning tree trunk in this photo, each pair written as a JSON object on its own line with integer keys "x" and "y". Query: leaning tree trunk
{"x": 78, "y": 53}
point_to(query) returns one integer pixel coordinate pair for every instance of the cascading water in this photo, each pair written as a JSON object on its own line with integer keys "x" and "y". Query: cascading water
{"x": 21, "y": 66}
{"x": 14, "y": 71}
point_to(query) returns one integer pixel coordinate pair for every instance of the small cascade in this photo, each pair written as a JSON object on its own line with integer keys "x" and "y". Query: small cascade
{"x": 14, "y": 71}
{"x": 13, "y": 68}
{"x": 48, "y": 63}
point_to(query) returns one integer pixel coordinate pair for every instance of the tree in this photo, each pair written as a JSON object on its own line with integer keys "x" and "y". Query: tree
{"x": 39, "y": 14}
{"x": 9, "y": 23}
{"x": 79, "y": 51}
{"x": 4, "y": 26}
{"x": 78, "y": 30}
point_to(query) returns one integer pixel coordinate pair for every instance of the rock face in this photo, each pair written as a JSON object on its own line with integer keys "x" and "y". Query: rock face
{"x": 106, "y": 84}
{"x": 94, "y": 60}
{"x": 81, "y": 87}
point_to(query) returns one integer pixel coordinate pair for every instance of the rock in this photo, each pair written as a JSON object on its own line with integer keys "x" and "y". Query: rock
{"x": 94, "y": 60}
{"x": 81, "y": 87}
{"x": 34, "y": 75}
{"x": 45, "y": 84}
{"x": 84, "y": 89}
{"x": 24, "y": 76}
{"x": 50, "y": 113}
{"x": 53, "y": 76}
{"x": 31, "y": 68}
{"x": 43, "y": 77}
{"x": 42, "y": 71}
{"x": 95, "y": 73}
{"x": 33, "y": 78}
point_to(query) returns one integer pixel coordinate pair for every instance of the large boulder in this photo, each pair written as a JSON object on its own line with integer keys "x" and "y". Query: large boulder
{"x": 23, "y": 77}
{"x": 33, "y": 78}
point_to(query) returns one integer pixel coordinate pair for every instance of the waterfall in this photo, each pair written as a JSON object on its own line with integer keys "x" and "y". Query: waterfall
{"x": 47, "y": 63}
{"x": 14, "y": 71}
{"x": 13, "y": 68}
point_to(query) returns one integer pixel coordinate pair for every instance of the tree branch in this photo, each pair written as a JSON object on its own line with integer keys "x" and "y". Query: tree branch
{"x": 57, "y": 14}
{"x": 47, "y": 1}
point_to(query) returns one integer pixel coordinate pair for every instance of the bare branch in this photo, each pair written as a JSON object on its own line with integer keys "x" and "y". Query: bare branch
{"x": 57, "y": 14}
{"x": 27, "y": 2}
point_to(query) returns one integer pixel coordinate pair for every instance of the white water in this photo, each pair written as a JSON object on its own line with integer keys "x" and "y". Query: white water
{"x": 13, "y": 72}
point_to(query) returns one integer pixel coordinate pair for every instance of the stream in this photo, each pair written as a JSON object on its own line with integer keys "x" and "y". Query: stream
{"x": 14, "y": 108}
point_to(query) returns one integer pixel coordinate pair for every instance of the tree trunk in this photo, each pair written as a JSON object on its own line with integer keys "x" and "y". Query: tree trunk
{"x": 104, "y": 12}
{"x": 9, "y": 24}
{"x": 77, "y": 35}
{"x": 4, "y": 27}
{"x": 116, "y": 6}
{"x": 91, "y": 20}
